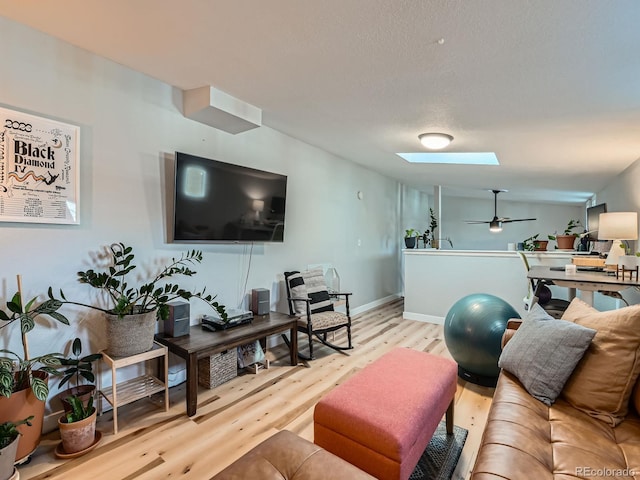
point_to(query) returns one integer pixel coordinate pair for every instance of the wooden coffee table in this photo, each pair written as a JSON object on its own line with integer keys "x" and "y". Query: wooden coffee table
{"x": 203, "y": 343}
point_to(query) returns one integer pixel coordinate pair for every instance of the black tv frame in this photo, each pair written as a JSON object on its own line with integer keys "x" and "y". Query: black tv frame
{"x": 271, "y": 227}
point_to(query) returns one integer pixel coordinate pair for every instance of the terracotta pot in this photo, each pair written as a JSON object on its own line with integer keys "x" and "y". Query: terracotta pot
{"x": 8, "y": 458}
{"x": 540, "y": 245}
{"x": 83, "y": 392}
{"x": 22, "y": 404}
{"x": 566, "y": 242}
{"x": 131, "y": 334}
{"x": 77, "y": 436}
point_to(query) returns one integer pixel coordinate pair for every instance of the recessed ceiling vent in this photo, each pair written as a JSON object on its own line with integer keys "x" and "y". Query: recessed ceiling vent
{"x": 220, "y": 110}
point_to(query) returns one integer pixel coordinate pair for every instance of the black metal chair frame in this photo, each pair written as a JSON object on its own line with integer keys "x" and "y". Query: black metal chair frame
{"x": 321, "y": 334}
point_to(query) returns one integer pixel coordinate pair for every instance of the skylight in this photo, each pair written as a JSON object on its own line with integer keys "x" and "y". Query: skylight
{"x": 466, "y": 158}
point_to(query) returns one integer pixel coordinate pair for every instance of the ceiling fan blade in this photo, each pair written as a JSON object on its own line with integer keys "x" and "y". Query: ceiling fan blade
{"x": 496, "y": 223}
{"x": 519, "y": 220}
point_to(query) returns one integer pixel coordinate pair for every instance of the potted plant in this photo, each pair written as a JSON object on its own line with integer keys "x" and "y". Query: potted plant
{"x": 78, "y": 368}
{"x": 9, "y": 436}
{"x": 534, "y": 244}
{"x": 410, "y": 236}
{"x": 133, "y": 310}
{"x": 23, "y": 379}
{"x": 567, "y": 240}
{"x": 433, "y": 224}
{"x": 628, "y": 260}
{"x": 78, "y": 427}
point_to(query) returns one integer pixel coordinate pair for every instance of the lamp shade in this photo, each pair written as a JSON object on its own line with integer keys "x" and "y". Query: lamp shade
{"x": 258, "y": 205}
{"x": 618, "y": 226}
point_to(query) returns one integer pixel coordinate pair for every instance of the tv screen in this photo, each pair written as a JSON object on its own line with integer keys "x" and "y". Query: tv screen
{"x": 216, "y": 201}
{"x": 593, "y": 219}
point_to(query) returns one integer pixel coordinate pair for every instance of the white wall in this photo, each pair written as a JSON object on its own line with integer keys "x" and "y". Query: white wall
{"x": 130, "y": 126}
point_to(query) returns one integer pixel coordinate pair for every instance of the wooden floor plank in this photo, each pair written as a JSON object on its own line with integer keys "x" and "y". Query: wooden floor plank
{"x": 234, "y": 417}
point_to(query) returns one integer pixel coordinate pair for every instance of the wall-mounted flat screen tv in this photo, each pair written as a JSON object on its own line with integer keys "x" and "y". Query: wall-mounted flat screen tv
{"x": 593, "y": 220}
{"x": 216, "y": 201}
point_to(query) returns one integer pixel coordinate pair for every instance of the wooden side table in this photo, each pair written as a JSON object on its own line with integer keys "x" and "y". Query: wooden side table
{"x": 136, "y": 388}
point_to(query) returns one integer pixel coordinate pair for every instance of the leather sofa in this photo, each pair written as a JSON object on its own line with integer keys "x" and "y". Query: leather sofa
{"x": 286, "y": 456}
{"x": 526, "y": 439}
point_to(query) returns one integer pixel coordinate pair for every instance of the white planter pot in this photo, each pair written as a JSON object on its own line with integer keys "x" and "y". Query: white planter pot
{"x": 629, "y": 262}
{"x": 7, "y": 458}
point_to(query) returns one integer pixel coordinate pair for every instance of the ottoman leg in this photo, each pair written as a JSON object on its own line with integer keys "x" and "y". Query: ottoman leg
{"x": 449, "y": 419}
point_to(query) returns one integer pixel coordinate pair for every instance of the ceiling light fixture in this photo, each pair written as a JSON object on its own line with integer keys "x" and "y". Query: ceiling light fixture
{"x": 435, "y": 141}
{"x": 495, "y": 226}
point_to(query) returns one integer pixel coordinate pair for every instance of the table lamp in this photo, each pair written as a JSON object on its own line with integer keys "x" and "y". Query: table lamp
{"x": 617, "y": 226}
{"x": 258, "y": 206}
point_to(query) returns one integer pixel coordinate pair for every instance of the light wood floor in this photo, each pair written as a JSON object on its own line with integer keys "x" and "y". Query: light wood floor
{"x": 234, "y": 417}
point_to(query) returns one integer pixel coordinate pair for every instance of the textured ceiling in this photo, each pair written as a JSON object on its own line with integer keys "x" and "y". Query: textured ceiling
{"x": 551, "y": 86}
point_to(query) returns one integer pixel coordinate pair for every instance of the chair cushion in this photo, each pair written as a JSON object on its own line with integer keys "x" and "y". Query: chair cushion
{"x": 317, "y": 290}
{"x": 602, "y": 383}
{"x": 322, "y": 320}
{"x": 543, "y": 352}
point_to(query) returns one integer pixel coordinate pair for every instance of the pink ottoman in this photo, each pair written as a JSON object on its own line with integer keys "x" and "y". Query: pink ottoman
{"x": 383, "y": 417}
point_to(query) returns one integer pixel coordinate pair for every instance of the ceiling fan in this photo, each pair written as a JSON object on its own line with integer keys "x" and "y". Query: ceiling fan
{"x": 495, "y": 225}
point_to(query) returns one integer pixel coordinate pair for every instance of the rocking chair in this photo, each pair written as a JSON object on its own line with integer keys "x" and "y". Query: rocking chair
{"x": 310, "y": 301}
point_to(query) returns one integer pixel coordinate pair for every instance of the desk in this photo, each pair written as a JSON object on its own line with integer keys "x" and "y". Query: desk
{"x": 203, "y": 343}
{"x": 586, "y": 282}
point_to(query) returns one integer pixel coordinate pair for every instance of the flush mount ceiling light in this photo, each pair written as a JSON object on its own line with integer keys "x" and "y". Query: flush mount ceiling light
{"x": 435, "y": 141}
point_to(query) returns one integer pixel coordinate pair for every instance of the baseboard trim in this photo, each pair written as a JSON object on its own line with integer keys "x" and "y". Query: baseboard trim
{"x": 376, "y": 303}
{"x": 420, "y": 317}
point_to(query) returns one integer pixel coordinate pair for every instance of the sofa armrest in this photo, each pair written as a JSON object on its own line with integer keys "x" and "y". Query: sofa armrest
{"x": 512, "y": 326}
{"x": 286, "y": 456}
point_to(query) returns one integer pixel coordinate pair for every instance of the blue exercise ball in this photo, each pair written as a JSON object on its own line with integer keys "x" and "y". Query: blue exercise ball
{"x": 473, "y": 330}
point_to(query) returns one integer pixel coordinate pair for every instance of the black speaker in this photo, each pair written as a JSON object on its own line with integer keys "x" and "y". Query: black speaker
{"x": 260, "y": 301}
{"x": 178, "y": 322}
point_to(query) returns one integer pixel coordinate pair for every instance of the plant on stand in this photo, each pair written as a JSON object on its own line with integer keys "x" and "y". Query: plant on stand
{"x": 23, "y": 379}
{"x": 9, "y": 437}
{"x": 133, "y": 310}
{"x": 78, "y": 369}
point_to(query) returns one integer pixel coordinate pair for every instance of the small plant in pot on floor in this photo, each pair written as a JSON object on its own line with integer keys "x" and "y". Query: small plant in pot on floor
{"x": 78, "y": 427}
{"x": 78, "y": 370}
{"x": 23, "y": 376}
{"x": 9, "y": 437}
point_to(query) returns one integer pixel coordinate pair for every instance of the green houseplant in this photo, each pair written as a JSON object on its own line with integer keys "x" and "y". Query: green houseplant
{"x": 567, "y": 240}
{"x": 78, "y": 369}
{"x": 410, "y": 237}
{"x": 431, "y": 233}
{"x": 78, "y": 427}
{"x": 534, "y": 244}
{"x": 9, "y": 437}
{"x": 23, "y": 379}
{"x": 133, "y": 310}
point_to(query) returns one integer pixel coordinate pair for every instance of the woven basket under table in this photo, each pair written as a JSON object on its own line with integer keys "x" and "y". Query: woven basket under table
{"x": 218, "y": 368}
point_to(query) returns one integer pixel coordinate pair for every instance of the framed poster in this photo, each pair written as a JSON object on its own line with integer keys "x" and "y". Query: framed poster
{"x": 39, "y": 174}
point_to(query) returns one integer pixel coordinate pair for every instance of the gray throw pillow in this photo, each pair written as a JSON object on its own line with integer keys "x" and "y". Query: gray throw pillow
{"x": 544, "y": 353}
